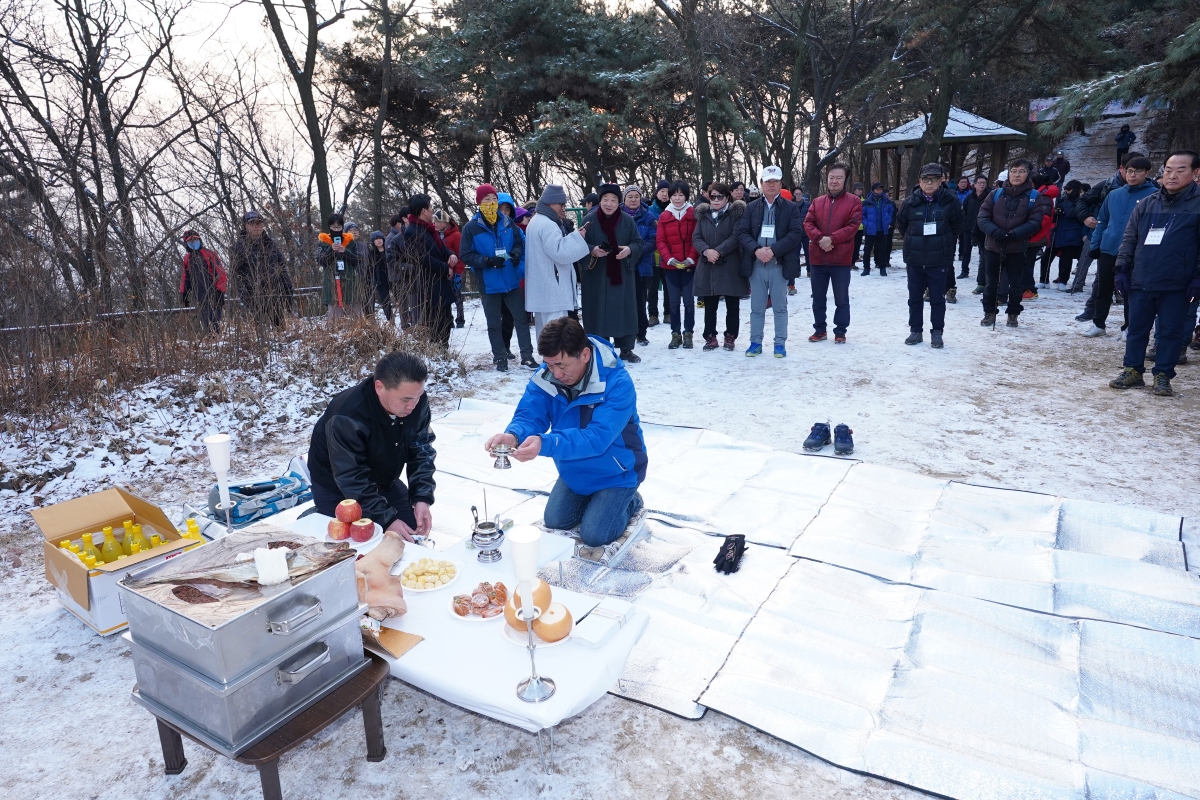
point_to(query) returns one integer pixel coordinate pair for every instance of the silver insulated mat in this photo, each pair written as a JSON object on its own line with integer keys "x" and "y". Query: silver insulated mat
{"x": 963, "y": 697}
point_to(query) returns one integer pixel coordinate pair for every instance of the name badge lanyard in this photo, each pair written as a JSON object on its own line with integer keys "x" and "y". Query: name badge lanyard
{"x": 768, "y": 228}
{"x": 1155, "y": 235}
{"x": 930, "y": 227}
{"x": 337, "y": 278}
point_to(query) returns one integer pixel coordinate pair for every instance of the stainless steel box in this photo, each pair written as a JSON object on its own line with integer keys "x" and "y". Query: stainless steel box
{"x": 230, "y": 717}
{"x": 234, "y": 648}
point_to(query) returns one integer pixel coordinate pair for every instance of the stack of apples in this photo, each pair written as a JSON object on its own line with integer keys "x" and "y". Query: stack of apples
{"x": 349, "y": 523}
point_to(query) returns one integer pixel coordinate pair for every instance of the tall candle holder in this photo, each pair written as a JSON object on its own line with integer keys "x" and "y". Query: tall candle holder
{"x": 218, "y": 458}
{"x": 524, "y": 542}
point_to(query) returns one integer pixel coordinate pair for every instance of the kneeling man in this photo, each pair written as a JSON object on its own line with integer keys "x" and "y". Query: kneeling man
{"x": 580, "y": 409}
{"x": 367, "y": 436}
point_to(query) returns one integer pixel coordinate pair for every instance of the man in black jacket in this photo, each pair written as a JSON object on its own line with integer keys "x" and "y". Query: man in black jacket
{"x": 367, "y": 436}
{"x": 970, "y": 232}
{"x": 932, "y": 221}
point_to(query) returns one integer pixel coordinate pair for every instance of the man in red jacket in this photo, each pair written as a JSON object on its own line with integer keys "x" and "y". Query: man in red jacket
{"x": 831, "y": 224}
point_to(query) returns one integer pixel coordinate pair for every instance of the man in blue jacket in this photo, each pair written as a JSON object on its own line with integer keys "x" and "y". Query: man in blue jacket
{"x": 1158, "y": 271}
{"x": 877, "y": 215}
{"x": 1106, "y": 237}
{"x": 494, "y": 247}
{"x": 580, "y": 409}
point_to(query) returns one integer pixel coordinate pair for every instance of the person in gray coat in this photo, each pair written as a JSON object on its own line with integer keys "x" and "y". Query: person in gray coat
{"x": 608, "y": 277}
{"x": 716, "y": 242}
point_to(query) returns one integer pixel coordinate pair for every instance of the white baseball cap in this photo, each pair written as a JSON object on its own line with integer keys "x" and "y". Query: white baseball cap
{"x": 1004, "y": 175}
{"x": 770, "y": 174}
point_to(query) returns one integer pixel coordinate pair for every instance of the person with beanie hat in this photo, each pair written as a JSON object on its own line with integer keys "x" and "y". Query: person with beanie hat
{"x": 551, "y": 250}
{"x": 203, "y": 274}
{"x": 377, "y": 275}
{"x": 607, "y": 282}
{"x": 662, "y": 199}
{"x": 338, "y": 258}
{"x": 493, "y": 246}
{"x": 646, "y": 218}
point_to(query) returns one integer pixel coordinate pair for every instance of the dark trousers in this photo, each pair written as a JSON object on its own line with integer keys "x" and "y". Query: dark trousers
{"x": 981, "y": 273}
{"x": 879, "y": 247}
{"x": 383, "y": 294}
{"x": 733, "y": 320}
{"x": 965, "y": 241}
{"x": 514, "y": 302}
{"x": 1121, "y": 153}
{"x": 858, "y": 240}
{"x": 210, "y": 304}
{"x": 652, "y": 295}
{"x": 933, "y": 279}
{"x": 1066, "y": 257}
{"x": 1170, "y": 328}
{"x": 507, "y": 324}
{"x": 1031, "y": 257}
{"x": 624, "y": 344}
{"x": 820, "y": 278}
{"x": 1105, "y": 270}
{"x": 1013, "y": 266}
{"x": 640, "y": 285}
{"x": 396, "y": 495}
{"x": 679, "y": 290}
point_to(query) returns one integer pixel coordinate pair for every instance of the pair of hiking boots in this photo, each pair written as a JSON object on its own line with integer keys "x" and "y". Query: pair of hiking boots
{"x": 843, "y": 439}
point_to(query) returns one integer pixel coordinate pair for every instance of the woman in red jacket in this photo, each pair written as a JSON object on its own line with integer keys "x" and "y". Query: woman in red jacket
{"x": 451, "y": 236}
{"x": 204, "y": 275}
{"x": 676, "y": 224}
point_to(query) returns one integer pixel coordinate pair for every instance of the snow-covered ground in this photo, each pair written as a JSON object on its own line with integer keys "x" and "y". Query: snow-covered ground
{"x": 1026, "y": 408}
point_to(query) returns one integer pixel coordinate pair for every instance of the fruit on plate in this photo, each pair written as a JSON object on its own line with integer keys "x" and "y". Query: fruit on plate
{"x": 553, "y": 624}
{"x": 361, "y": 530}
{"x": 338, "y": 530}
{"x": 484, "y": 601}
{"x": 348, "y": 511}
{"x": 541, "y": 599}
{"x": 428, "y": 573}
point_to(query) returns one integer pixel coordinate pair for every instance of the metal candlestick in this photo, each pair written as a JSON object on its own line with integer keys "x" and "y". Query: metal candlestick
{"x": 535, "y": 688}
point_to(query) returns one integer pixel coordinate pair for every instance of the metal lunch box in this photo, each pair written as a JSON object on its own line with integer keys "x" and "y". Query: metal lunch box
{"x": 239, "y": 645}
{"x": 229, "y": 717}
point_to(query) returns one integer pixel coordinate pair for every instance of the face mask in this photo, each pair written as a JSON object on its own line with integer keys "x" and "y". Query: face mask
{"x": 194, "y": 244}
{"x": 490, "y": 210}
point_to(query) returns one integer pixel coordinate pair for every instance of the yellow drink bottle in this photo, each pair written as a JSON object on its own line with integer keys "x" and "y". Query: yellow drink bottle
{"x": 110, "y": 551}
{"x": 90, "y": 561}
{"x": 155, "y": 541}
{"x": 139, "y": 539}
{"x": 135, "y": 548}
{"x": 90, "y": 549}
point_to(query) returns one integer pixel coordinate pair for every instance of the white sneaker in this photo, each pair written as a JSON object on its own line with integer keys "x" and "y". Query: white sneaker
{"x": 1064, "y": 287}
{"x": 1093, "y": 332}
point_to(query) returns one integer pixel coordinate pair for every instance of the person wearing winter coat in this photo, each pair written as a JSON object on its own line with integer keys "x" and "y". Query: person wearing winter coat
{"x": 580, "y": 410}
{"x": 493, "y": 247}
{"x": 1068, "y": 233}
{"x": 1063, "y": 165}
{"x": 377, "y": 274}
{"x": 451, "y": 237}
{"x": 662, "y": 199}
{"x": 1107, "y": 236}
{"x": 878, "y": 214}
{"x": 970, "y": 207}
{"x": 1086, "y": 212}
{"x": 551, "y": 251}
{"x": 931, "y": 221}
{"x": 678, "y": 257}
{"x": 646, "y": 219}
{"x": 831, "y": 222}
{"x": 716, "y": 243}
{"x": 338, "y": 257}
{"x": 1048, "y": 173}
{"x": 1124, "y": 139}
{"x": 204, "y": 276}
{"x": 608, "y": 285}
{"x": 1041, "y": 245}
{"x": 1158, "y": 272}
{"x": 260, "y": 272}
{"x": 433, "y": 270}
{"x": 769, "y": 233}
{"x": 1008, "y": 218}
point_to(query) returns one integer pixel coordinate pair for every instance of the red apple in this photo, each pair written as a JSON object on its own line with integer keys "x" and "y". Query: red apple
{"x": 361, "y": 530}
{"x": 338, "y": 530}
{"x": 348, "y": 511}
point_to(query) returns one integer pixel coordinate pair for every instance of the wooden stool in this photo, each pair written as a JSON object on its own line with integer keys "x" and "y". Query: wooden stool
{"x": 365, "y": 688}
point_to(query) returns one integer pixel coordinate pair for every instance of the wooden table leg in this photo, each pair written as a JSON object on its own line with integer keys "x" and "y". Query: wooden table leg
{"x": 269, "y": 773}
{"x": 172, "y": 748}
{"x": 373, "y": 721}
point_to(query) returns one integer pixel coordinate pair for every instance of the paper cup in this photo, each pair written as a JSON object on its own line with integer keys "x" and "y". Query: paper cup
{"x": 524, "y": 542}
{"x": 218, "y": 452}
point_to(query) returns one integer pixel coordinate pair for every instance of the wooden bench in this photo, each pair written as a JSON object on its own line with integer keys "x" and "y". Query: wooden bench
{"x": 363, "y": 689}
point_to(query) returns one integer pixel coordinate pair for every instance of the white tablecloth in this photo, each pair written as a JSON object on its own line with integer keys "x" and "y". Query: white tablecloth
{"x": 471, "y": 665}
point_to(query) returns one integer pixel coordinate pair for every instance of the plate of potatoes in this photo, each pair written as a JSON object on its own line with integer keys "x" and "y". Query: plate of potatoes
{"x": 429, "y": 574}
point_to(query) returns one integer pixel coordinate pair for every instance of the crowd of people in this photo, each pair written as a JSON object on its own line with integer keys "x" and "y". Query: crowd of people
{"x": 729, "y": 243}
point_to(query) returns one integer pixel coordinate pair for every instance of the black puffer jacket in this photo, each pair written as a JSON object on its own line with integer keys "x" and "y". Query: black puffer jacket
{"x": 1015, "y": 211}
{"x": 357, "y": 449}
{"x": 945, "y": 213}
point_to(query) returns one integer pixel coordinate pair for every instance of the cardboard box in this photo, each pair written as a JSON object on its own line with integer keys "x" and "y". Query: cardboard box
{"x": 92, "y": 595}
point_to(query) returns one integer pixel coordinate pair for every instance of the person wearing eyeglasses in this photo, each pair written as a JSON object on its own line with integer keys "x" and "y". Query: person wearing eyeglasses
{"x": 716, "y": 242}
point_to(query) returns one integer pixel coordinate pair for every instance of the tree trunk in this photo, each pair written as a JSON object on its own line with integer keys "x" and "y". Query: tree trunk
{"x": 377, "y": 132}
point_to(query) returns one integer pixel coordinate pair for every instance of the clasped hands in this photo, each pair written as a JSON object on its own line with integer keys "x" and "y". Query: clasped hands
{"x": 527, "y": 451}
